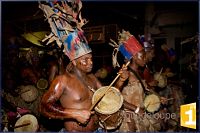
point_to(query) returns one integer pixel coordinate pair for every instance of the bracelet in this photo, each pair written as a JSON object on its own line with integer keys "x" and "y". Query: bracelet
{"x": 137, "y": 110}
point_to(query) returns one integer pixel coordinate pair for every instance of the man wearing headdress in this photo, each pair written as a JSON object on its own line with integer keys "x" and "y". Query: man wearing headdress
{"x": 134, "y": 91}
{"x": 69, "y": 96}
{"x": 150, "y": 54}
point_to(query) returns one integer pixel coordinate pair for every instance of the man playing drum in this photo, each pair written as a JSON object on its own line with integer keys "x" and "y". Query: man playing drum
{"x": 134, "y": 91}
{"x": 150, "y": 54}
{"x": 69, "y": 97}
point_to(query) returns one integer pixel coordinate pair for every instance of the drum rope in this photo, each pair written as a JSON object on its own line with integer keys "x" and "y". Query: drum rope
{"x": 85, "y": 84}
{"x": 103, "y": 122}
{"x": 139, "y": 78}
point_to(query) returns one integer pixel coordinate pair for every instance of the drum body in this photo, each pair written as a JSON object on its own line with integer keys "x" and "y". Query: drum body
{"x": 152, "y": 103}
{"x": 111, "y": 121}
{"x": 108, "y": 108}
{"x": 26, "y": 123}
{"x": 162, "y": 80}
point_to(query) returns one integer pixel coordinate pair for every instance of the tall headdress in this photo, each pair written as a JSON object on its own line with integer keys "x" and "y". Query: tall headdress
{"x": 128, "y": 45}
{"x": 64, "y": 18}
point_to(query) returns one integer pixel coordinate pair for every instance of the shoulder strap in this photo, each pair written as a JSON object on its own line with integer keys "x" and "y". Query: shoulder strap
{"x": 85, "y": 84}
{"x": 138, "y": 77}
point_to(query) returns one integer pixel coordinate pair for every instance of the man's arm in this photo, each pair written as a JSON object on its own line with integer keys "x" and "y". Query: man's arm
{"x": 124, "y": 74}
{"x": 51, "y": 109}
{"x": 48, "y": 105}
{"x": 134, "y": 108}
{"x": 53, "y": 72}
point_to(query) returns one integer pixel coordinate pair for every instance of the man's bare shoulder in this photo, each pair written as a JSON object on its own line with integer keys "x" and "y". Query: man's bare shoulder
{"x": 64, "y": 77}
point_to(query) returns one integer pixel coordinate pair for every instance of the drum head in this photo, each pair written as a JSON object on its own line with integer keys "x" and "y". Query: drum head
{"x": 42, "y": 83}
{"x": 30, "y": 124}
{"x": 152, "y": 103}
{"x": 110, "y": 103}
{"x": 29, "y": 93}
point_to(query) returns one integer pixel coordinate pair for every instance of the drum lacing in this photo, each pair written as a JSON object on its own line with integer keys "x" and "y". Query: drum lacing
{"x": 103, "y": 122}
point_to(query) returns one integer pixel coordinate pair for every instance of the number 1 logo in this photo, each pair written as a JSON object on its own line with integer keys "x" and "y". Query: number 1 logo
{"x": 188, "y": 115}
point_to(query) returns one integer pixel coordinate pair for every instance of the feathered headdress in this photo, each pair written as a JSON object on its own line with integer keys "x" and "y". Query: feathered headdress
{"x": 66, "y": 22}
{"x": 128, "y": 45}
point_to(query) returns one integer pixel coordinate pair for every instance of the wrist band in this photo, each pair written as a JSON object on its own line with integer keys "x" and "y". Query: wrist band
{"x": 137, "y": 110}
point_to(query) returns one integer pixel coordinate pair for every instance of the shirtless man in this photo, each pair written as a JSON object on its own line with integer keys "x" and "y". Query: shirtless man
{"x": 74, "y": 96}
{"x": 74, "y": 91}
{"x": 69, "y": 96}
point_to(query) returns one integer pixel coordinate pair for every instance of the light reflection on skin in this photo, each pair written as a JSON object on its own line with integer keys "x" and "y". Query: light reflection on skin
{"x": 140, "y": 55}
{"x": 83, "y": 62}
{"x": 56, "y": 87}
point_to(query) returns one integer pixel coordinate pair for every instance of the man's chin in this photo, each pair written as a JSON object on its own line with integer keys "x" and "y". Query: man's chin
{"x": 88, "y": 70}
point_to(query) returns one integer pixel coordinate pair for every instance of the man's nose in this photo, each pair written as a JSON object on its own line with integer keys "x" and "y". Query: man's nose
{"x": 90, "y": 62}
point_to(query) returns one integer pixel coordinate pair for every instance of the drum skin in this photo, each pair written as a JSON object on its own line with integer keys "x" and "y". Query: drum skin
{"x": 42, "y": 83}
{"x": 162, "y": 80}
{"x": 152, "y": 103}
{"x": 110, "y": 103}
{"x": 29, "y": 93}
{"x": 27, "y": 119}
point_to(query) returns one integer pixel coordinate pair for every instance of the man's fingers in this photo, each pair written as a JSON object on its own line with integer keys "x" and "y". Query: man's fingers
{"x": 92, "y": 112}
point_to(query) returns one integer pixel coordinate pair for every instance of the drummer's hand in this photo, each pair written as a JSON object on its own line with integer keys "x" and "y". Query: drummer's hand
{"x": 163, "y": 100}
{"x": 82, "y": 116}
{"x": 123, "y": 73}
{"x": 141, "y": 112}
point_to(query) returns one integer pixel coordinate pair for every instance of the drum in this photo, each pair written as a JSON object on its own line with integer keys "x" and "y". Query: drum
{"x": 28, "y": 93}
{"x": 26, "y": 123}
{"x": 162, "y": 80}
{"x": 108, "y": 108}
{"x": 152, "y": 103}
{"x": 42, "y": 83}
{"x": 111, "y": 121}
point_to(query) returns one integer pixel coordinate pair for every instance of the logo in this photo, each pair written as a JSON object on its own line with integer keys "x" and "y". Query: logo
{"x": 188, "y": 115}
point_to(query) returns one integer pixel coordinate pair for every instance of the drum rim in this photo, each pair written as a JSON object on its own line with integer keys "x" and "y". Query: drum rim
{"x": 34, "y": 124}
{"x": 110, "y": 112}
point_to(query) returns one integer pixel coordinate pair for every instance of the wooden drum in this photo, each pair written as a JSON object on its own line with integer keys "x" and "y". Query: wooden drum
{"x": 108, "y": 108}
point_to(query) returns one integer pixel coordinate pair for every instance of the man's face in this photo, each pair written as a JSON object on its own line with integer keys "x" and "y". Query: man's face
{"x": 85, "y": 63}
{"x": 140, "y": 58}
{"x": 150, "y": 55}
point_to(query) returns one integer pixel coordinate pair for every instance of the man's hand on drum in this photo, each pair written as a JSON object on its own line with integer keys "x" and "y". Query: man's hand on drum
{"x": 124, "y": 74}
{"x": 141, "y": 112}
{"x": 163, "y": 100}
{"x": 82, "y": 116}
